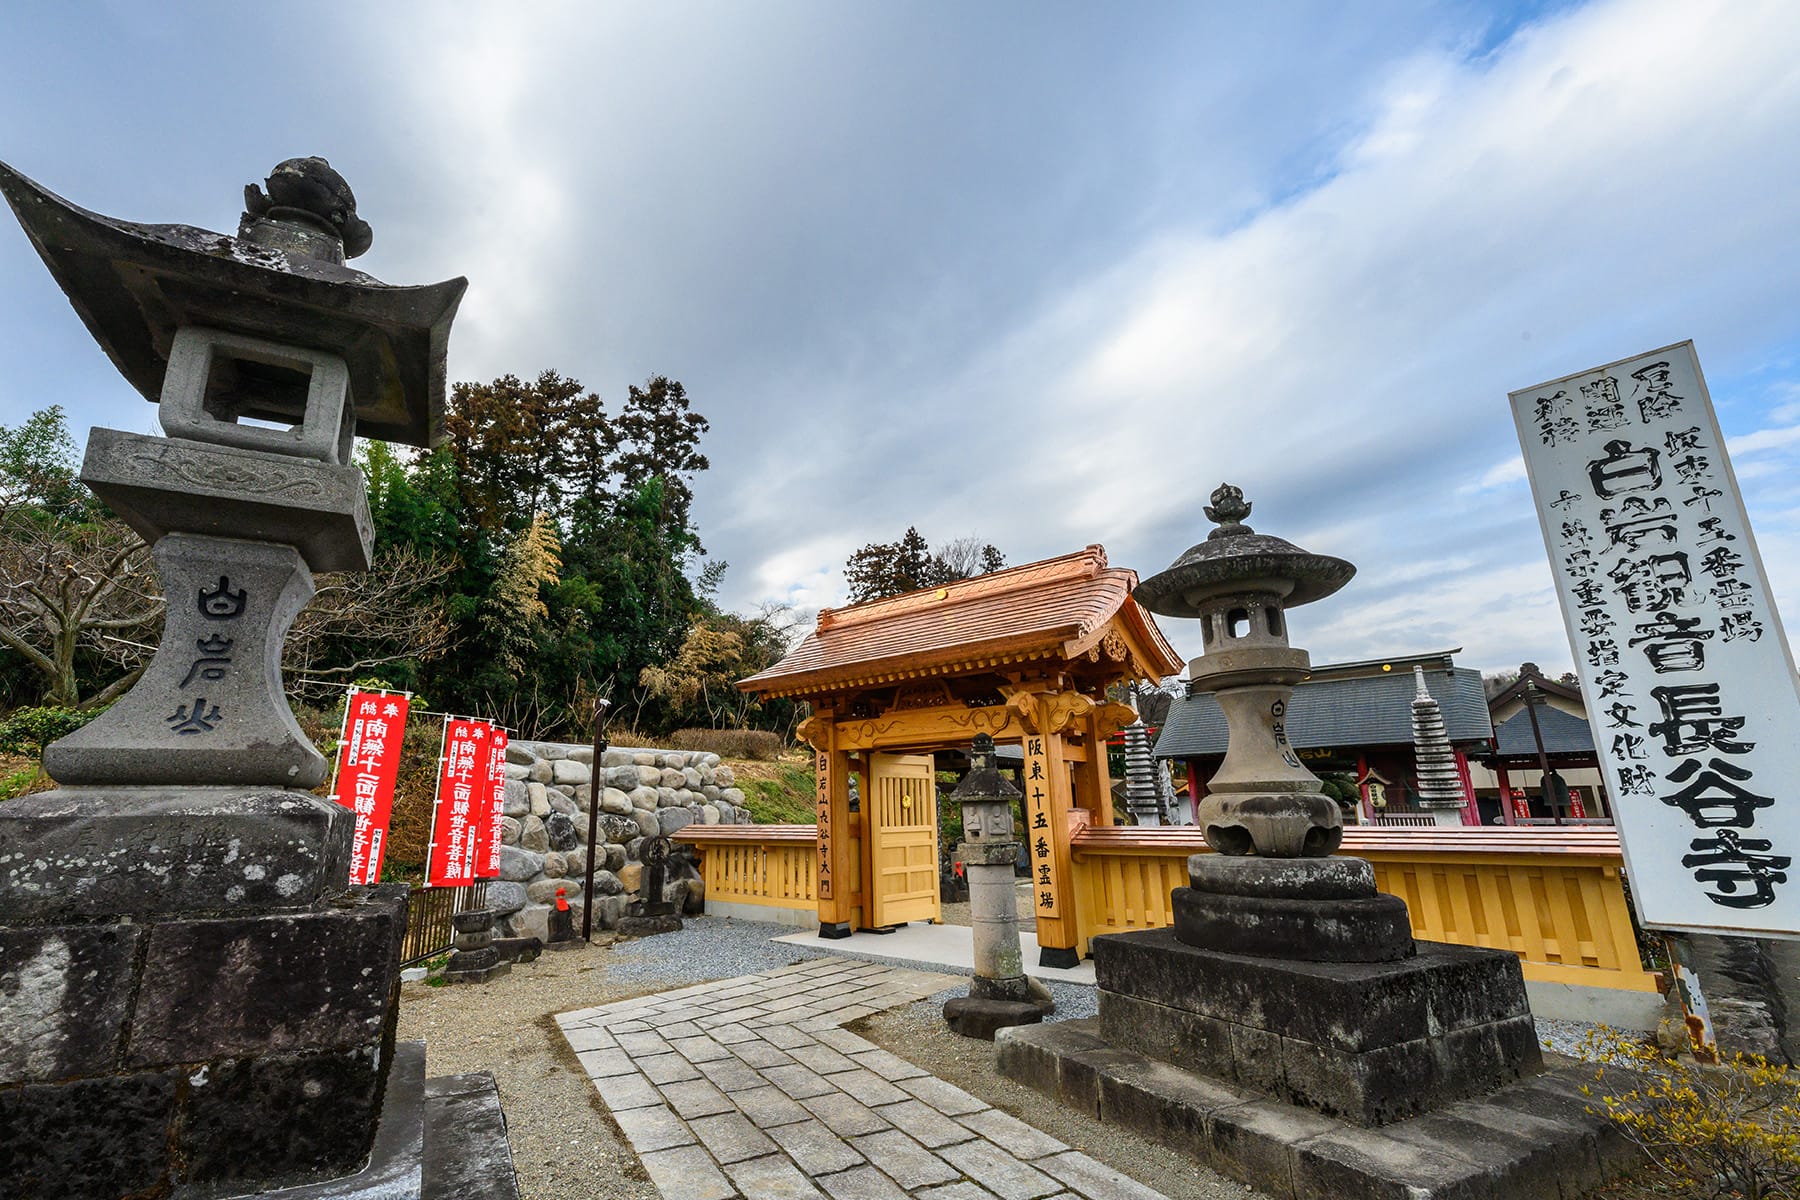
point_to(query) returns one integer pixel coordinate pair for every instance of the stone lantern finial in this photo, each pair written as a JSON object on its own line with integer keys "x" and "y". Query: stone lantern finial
{"x": 1228, "y": 510}
{"x": 308, "y": 209}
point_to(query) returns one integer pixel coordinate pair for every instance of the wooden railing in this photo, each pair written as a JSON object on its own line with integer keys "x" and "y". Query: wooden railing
{"x": 1551, "y": 896}
{"x": 770, "y": 865}
{"x": 428, "y": 913}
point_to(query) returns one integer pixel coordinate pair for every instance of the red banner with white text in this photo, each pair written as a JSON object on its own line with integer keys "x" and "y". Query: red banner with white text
{"x": 367, "y": 766}
{"x": 463, "y": 777}
{"x": 487, "y": 832}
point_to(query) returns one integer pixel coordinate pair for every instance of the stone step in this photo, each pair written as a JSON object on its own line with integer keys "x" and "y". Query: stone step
{"x": 1533, "y": 1140}
{"x": 467, "y": 1156}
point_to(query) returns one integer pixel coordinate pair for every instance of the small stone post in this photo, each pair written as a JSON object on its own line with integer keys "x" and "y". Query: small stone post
{"x": 473, "y": 956}
{"x": 1001, "y": 994}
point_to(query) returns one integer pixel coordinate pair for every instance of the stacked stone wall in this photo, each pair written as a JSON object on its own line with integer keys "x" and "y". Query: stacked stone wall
{"x": 544, "y": 833}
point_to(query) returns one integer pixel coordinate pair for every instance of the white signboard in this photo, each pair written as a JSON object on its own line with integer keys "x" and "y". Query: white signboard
{"x": 1685, "y": 671}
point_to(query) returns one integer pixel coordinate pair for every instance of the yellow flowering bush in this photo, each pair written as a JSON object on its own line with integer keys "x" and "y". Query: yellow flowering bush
{"x": 1729, "y": 1131}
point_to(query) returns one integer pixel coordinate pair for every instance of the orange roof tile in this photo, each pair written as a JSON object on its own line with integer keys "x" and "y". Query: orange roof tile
{"x": 1037, "y": 610}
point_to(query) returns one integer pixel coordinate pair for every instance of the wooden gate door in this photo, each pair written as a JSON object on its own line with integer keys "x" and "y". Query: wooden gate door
{"x": 905, "y": 850}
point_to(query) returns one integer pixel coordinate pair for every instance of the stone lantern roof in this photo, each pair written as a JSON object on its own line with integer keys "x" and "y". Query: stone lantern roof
{"x": 1235, "y": 558}
{"x": 281, "y": 279}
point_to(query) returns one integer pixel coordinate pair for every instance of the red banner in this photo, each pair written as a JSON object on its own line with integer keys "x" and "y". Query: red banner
{"x": 368, "y": 763}
{"x": 487, "y": 832}
{"x": 457, "y": 815}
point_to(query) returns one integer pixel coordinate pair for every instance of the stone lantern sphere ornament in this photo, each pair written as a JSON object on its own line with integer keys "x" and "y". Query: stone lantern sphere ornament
{"x": 1239, "y": 583}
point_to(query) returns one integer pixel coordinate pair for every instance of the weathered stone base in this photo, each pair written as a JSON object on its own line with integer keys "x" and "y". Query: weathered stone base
{"x": 1368, "y": 1043}
{"x": 477, "y": 974}
{"x": 646, "y": 926}
{"x": 981, "y": 1017}
{"x": 203, "y": 1053}
{"x": 1531, "y": 1140}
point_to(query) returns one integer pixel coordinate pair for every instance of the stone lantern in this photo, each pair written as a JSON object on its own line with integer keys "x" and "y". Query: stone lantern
{"x": 1239, "y": 584}
{"x": 1289, "y": 996}
{"x": 1002, "y": 994}
{"x": 207, "y": 1005}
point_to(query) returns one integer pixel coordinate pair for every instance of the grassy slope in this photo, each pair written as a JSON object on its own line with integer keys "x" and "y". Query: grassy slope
{"x": 777, "y": 793}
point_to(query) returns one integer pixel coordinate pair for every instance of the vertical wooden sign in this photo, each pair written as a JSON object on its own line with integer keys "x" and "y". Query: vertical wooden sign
{"x": 1039, "y": 831}
{"x": 822, "y": 771}
{"x": 1685, "y": 670}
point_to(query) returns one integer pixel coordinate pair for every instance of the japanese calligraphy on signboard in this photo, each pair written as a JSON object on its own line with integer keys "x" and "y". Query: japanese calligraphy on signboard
{"x": 1039, "y": 834}
{"x": 822, "y": 774}
{"x": 1684, "y": 667}
{"x": 487, "y": 829}
{"x": 463, "y": 775}
{"x": 368, "y": 762}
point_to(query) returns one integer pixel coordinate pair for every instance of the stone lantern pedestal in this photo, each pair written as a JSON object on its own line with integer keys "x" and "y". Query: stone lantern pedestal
{"x": 1287, "y": 1028}
{"x": 193, "y": 1001}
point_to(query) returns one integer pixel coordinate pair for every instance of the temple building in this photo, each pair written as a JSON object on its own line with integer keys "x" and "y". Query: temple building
{"x": 1352, "y": 725}
{"x": 1508, "y": 780}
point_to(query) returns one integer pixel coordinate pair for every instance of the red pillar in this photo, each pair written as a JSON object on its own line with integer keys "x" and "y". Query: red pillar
{"x": 1506, "y": 809}
{"x": 1471, "y": 812}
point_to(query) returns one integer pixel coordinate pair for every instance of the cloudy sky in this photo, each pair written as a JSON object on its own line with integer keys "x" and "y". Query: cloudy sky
{"x": 1045, "y": 273}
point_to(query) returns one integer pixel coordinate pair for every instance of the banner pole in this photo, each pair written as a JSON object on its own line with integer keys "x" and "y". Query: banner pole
{"x": 437, "y": 794}
{"x": 593, "y": 838}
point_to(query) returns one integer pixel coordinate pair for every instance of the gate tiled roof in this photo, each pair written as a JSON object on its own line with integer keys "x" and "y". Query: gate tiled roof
{"x": 1056, "y": 608}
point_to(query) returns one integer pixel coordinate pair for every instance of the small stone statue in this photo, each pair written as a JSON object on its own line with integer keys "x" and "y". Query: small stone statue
{"x": 652, "y": 912}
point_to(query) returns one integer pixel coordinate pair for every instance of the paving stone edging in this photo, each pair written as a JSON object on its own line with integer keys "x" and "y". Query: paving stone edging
{"x": 749, "y": 1089}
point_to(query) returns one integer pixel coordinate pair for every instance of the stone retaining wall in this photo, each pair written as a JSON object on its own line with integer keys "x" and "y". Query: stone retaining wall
{"x": 545, "y": 828}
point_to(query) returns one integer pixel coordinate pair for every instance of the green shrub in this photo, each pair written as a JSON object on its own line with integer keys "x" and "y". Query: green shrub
{"x": 28, "y": 730}
{"x": 758, "y": 744}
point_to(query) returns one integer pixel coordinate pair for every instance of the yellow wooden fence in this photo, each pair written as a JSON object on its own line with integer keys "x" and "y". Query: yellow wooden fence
{"x": 1552, "y": 896}
{"x": 769, "y": 865}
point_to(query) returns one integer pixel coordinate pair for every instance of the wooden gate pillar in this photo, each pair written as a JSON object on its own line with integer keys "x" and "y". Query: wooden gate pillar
{"x": 1049, "y": 803}
{"x": 831, "y": 768}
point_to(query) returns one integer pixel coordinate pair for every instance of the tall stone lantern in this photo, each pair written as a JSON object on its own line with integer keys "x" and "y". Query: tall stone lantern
{"x": 1002, "y": 994}
{"x": 193, "y": 1000}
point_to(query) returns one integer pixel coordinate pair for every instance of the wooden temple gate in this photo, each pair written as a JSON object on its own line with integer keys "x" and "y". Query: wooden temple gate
{"x": 1025, "y": 655}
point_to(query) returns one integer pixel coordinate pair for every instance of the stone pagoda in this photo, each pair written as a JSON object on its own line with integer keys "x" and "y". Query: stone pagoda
{"x": 1440, "y": 782}
{"x": 193, "y": 1001}
{"x": 1288, "y": 1020}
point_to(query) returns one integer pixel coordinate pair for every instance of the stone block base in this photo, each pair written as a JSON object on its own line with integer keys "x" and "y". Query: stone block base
{"x": 208, "y": 1053}
{"x": 1368, "y": 1043}
{"x": 980, "y": 1017}
{"x": 646, "y": 926}
{"x": 1531, "y": 1140}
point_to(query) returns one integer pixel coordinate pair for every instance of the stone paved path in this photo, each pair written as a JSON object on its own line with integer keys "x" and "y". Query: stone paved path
{"x": 747, "y": 1088}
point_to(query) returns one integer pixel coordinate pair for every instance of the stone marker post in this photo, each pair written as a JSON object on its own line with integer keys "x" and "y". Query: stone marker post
{"x": 652, "y": 912}
{"x": 192, "y": 998}
{"x": 1001, "y": 994}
